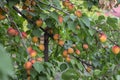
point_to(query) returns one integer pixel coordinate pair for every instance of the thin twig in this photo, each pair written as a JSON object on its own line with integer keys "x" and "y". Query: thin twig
{"x": 10, "y": 19}
{"x": 30, "y": 21}
{"x": 51, "y": 5}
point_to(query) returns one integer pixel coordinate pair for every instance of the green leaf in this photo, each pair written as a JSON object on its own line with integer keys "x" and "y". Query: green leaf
{"x": 118, "y": 77}
{"x": 49, "y": 65}
{"x": 66, "y": 18}
{"x": 73, "y": 17}
{"x": 17, "y": 39}
{"x": 112, "y": 22}
{"x": 71, "y": 25}
{"x": 6, "y": 66}
{"x": 91, "y": 32}
{"x": 97, "y": 72}
{"x": 57, "y": 3}
{"x": 86, "y": 21}
{"x": 54, "y": 15}
{"x": 38, "y": 67}
{"x": 36, "y": 32}
{"x": 79, "y": 65}
{"x": 33, "y": 73}
{"x": 70, "y": 74}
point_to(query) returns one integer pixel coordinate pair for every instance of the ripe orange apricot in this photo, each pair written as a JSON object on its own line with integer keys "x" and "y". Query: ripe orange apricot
{"x": 71, "y": 7}
{"x": 77, "y": 52}
{"x": 56, "y": 36}
{"x": 28, "y": 65}
{"x": 12, "y": 32}
{"x": 85, "y": 46}
{"x": 24, "y": 35}
{"x": 33, "y": 53}
{"x": 61, "y": 42}
{"x": 35, "y": 39}
{"x": 70, "y": 50}
{"x": 29, "y": 49}
{"x": 2, "y": 17}
{"x": 115, "y": 49}
{"x": 39, "y": 59}
{"x": 60, "y": 19}
{"x": 39, "y": 22}
{"x": 66, "y": 3}
{"x": 65, "y": 53}
{"x": 41, "y": 47}
{"x": 102, "y": 37}
{"x": 78, "y": 13}
{"x": 33, "y": 61}
{"x": 68, "y": 59}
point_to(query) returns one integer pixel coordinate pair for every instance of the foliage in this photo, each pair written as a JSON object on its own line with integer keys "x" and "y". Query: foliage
{"x": 56, "y": 28}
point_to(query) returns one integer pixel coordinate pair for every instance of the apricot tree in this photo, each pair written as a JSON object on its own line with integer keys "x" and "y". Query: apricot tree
{"x": 61, "y": 39}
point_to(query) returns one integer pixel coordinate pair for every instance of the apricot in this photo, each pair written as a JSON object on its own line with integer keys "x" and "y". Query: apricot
{"x": 77, "y": 52}
{"x": 70, "y": 50}
{"x": 102, "y": 37}
{"x": 12, "y": 32}
{"x": 39, "y": 22}
{"x": 60, "y": 19}
{"x": 24, "y": 35}
{"x": 39, "y": 59}
{"x": 66, "y": 3}
{"x": 42, "y": 47}
{"x": 85, "y": 46}
{"x": 71, "y": 7}
{"x": 28, "y": 65}
{"x": 2, "y": 17}
{"x": 33, "y": 53}
{"x": 33, "y": 61}
{"x": 61, "y": 42}
{"x": 65, "y": 53}
{"x": 35, "y": 39}
{"x": 115, "y": 49}
{"x": 78, "y": 13}
{"x": 56, "y": 36}
{"x": 29, "y": 49}
{"x": 68, "y": 59}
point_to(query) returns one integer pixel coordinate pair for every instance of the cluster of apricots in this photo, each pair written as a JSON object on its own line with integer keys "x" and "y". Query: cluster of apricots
{"x": 2, "y": 15}
{"x": 103, "y": 38}
{"x": 13, "y": 32}
{"x": 66, "y": 53}
{"x": 71, "y": 50}
{"x": 67, "y": 4}
{"x": 33, "y": 55}
{"x": 28, "y": 65}
{"x": 28, "y": 7}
